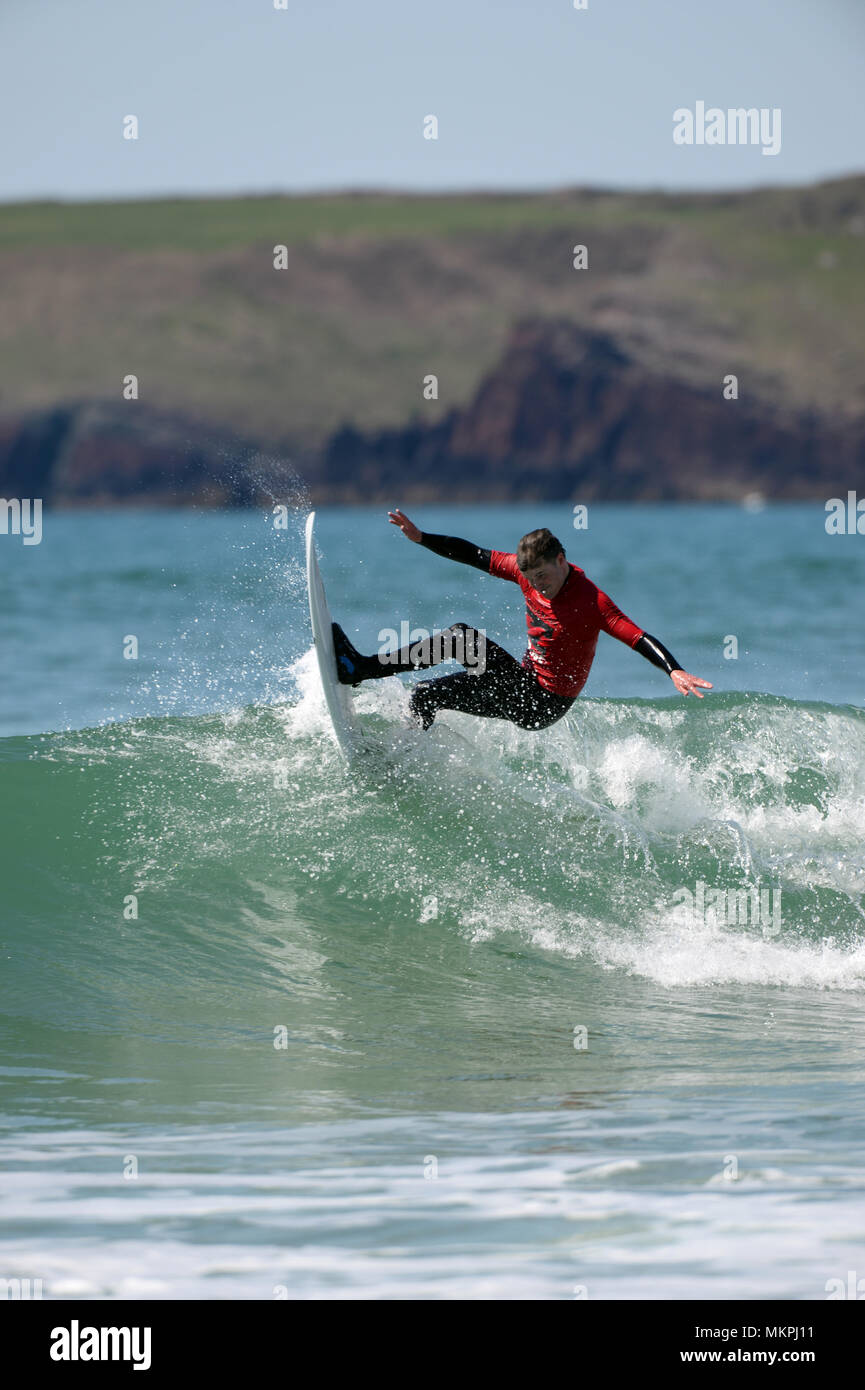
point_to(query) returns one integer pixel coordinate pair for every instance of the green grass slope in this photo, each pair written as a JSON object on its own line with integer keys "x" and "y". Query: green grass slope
{"x": 380, "y": 290}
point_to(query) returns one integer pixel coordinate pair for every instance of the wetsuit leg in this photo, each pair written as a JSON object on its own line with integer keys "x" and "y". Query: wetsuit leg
{"x": 494, "y": 685}
{"x": 503, "y": 690}
{"x": 459, "y": 642}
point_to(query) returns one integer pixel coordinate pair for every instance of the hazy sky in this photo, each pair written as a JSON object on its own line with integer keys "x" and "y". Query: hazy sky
{"x": 234, "y": 95}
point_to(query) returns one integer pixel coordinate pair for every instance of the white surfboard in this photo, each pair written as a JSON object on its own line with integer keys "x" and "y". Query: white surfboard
{"x": 337, "y": 698}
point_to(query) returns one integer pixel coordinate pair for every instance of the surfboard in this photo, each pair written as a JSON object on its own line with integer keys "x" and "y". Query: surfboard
{"x": 336, "y": 696}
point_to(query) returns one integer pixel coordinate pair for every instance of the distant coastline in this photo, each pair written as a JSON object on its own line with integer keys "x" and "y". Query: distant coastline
{"x": 548, "y": 381}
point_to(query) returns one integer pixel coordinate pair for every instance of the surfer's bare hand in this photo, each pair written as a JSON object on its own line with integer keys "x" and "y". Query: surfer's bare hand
{"x": 688, "y": 685}
{"x": 408, "y": 528}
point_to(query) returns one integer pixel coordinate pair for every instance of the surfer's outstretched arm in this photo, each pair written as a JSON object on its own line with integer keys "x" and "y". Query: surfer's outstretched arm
{"x": 614, "y": 621}
{"x": 451, "y": 547}
{"x": 655, "y": 651}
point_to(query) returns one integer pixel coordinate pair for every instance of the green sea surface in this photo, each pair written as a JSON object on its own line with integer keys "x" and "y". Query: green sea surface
{"x": 490, "y": 1015}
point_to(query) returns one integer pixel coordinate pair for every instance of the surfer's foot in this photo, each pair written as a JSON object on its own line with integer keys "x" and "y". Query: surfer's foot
{"x": 418, "y": 724}
{"x": 421, "y": 717}
{"x": 351, "y": 667}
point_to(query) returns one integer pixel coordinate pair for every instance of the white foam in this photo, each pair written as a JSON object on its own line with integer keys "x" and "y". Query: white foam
{"x": 673, "y": 950}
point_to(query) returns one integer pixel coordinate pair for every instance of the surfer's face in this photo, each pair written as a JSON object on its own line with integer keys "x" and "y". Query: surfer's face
{"x": 549, "y": 577}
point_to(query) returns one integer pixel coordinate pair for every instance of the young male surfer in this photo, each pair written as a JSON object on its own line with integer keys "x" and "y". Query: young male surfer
{"x": 565, "y": 612}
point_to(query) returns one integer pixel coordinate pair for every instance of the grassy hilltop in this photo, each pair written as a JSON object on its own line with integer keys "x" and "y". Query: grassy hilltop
{"x": 382, "y": 289}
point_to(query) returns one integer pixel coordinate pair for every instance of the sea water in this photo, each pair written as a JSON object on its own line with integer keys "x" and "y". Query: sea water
{"x": 493, "y": 1015}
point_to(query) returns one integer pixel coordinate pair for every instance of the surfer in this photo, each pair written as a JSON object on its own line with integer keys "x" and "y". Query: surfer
{"x": 565, "y": 612}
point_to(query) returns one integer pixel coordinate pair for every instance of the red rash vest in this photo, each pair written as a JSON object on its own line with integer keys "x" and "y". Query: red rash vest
{"x": 563, "y": 631}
